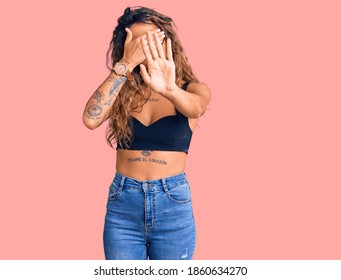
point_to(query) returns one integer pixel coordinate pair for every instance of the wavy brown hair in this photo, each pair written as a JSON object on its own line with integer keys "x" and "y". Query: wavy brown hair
{"x": 131, "y": 94}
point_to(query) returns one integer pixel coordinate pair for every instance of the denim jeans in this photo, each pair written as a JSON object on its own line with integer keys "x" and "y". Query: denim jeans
{"x": 149, "y": 219}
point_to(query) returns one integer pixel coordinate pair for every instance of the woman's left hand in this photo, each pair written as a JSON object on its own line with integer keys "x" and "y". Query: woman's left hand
{"x": 160, "y": 75}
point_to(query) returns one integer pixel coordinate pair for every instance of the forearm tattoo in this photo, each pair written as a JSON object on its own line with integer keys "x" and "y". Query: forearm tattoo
{"x": 146, "y": 158}
{"x": 95, "y": 110}
{"x": 115, "y": 85}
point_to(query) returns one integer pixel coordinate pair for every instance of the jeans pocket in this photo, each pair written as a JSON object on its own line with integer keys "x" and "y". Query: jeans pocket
{"x": 180, "y": 194}
{"x": 114, "y": 191}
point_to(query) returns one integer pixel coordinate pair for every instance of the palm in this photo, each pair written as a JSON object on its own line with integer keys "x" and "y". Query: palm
{"x": 160, "y": 75}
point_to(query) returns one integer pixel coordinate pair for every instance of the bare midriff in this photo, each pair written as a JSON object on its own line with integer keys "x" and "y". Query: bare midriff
{"x": 149, "y": 165}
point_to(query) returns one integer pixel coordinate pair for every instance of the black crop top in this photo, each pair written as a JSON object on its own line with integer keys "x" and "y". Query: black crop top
{"x": 169, "y": 133}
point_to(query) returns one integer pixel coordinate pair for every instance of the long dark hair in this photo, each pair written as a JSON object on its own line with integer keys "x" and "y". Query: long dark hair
{"x": 131, "y": 94}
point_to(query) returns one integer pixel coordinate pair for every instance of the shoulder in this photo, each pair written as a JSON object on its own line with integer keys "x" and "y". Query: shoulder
{"x": 200, "y": 89}
{"x": 197, "y": 86}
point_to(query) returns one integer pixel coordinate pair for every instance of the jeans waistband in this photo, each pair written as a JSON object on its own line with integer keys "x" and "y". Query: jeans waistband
{"x": 168, "y": 182}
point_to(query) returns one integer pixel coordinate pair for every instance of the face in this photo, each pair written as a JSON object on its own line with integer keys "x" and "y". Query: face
{"x": 141, "y": 28}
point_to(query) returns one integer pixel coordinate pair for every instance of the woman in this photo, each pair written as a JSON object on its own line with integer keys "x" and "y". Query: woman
{"x": 153, "y": 101}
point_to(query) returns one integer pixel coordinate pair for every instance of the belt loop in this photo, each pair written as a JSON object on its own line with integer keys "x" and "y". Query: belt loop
{"x": 164, "y": 184}
{"x": 122, "y": 182}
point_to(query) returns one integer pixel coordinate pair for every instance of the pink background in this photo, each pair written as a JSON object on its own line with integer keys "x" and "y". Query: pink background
{"x": 264, "y": 165}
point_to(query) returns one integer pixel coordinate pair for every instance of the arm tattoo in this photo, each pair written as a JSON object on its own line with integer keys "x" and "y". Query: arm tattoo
{"x": 95, "y": 110}
{"x": 116, "y": 84}
{"x": 98, "y": 96}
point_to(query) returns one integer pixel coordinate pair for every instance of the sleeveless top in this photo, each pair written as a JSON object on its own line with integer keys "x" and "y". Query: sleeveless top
{"x": 169, "y": 133}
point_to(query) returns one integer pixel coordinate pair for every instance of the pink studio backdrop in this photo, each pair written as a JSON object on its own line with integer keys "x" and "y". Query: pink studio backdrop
{"x": 264, "y": 163}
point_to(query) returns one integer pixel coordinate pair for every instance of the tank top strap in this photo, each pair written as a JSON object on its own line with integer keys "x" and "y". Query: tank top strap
{"x": 185, "y": 85}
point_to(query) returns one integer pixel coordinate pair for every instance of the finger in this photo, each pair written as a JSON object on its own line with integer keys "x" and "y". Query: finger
{"x": 155, "y": 31}
{"x": 145, "y": 49}
{"x": 144, "y": 74}
{"x": 162, "y": 39}
{"x": 152, "y": 46}
{"x": 169, "y": 50}
{"x": 129, "y": 35}
{"x": 158, "y": 46}
{"x": 161, "y": 36}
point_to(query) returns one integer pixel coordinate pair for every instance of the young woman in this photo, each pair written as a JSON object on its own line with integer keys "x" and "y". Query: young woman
{"x": 153, "y": 101}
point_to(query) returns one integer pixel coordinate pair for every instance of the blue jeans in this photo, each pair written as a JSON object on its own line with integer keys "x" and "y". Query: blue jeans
{"x": 149, "y": 219}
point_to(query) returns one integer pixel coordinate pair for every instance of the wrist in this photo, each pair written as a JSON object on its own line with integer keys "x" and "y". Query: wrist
{"x": 130, "y": 65}
{"x": 124, "y": 68}
{"x": 172, "y": 91}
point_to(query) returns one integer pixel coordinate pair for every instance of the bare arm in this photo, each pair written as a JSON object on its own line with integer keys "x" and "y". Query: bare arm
{"x": 97, "y": 107}
{"x": 161, "y": 77}
{"x": 99, "y": 104}
{"x": 193, "y": 102}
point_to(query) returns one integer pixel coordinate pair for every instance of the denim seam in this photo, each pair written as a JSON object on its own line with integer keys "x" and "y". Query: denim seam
{"x": 177, "y": 201}
{"x": 194, "y": 241}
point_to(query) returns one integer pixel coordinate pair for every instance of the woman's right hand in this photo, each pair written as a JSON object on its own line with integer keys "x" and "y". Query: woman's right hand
{"x": 133, "y": 52}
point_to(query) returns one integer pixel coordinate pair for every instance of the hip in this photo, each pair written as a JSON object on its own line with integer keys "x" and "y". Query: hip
{"x": 162, "y": 191}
